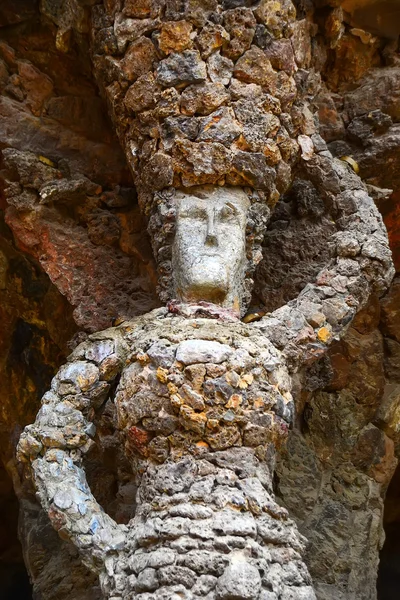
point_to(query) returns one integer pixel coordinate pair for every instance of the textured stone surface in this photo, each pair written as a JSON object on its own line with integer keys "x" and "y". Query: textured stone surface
{"x": 67, "y": 189}
{"x": 168, "y": 425}
{"x": 33, "y": 344}
{"x": 69, "y": 124}
{"x": 340, "y": 464}
{"x": 199, "y": 351}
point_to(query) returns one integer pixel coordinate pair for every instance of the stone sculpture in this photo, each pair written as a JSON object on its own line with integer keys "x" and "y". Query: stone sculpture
{"x": 203, "y": 403}
{"x": 211, "y": 104}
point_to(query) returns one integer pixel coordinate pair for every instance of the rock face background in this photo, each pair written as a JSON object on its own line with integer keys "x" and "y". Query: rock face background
{"x": 74, "y": 257}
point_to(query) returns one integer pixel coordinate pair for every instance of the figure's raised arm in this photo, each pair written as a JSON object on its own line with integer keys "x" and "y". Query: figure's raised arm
{"x": 358, "y": 264}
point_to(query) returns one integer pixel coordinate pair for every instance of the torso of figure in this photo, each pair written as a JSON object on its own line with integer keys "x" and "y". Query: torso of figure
{"x": 202, "y": 405}
{"x": 201, "y": 385}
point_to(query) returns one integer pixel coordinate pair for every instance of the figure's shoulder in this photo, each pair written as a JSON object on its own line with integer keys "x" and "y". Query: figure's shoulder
{"x": 116, "y": 339}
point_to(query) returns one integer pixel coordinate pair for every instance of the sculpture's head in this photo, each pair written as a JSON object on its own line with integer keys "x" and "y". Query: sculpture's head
{"x": 207, "y": 243}
{"x": 209, "y": 250}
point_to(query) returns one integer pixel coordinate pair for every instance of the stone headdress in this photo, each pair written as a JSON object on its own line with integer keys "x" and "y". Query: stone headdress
{"x": 204, "y": 94}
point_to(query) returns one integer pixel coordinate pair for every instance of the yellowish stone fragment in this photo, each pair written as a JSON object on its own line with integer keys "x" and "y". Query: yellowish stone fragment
{"x": 46, "y": 161}
{"x": 172, "y": 388}
{"x": 350, "y": 161}
{"x": 324, "y": 335}
{"x": 162, "y": 375}
{"x": 175, "y": 36}
{"x": 234, "y": 401}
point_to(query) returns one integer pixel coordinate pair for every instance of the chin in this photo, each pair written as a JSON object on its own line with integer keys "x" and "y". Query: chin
{"x": 209, "y": 282}
{"x": 206, "y": 293}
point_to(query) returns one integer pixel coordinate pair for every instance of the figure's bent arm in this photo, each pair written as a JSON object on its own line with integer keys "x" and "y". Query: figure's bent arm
{"x": 360, "y": 263}
{"x": 55, "y": 444}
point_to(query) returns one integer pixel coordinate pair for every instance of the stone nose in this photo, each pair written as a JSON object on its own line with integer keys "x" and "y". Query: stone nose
{"x": 211, "y": 234}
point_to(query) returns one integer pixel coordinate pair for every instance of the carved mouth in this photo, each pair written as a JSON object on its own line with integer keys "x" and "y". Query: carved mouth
{"x": 211, "y": 253}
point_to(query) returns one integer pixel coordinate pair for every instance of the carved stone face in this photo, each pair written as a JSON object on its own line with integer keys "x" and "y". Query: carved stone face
{"x": 209, "y": 252}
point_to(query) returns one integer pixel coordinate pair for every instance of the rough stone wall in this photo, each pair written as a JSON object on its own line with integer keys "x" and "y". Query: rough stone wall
{"x": 340, "y": 461}
{"x": 50, "y": 263}
{"x": 67, "y": 194}
{"x": 45, "y": 103}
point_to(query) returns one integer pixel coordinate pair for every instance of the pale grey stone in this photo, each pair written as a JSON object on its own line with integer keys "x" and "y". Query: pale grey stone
{"x": 63, "y": 499}
{"x": 272, "y": 578}
{"x": 191, "y": 511}
{"x": 80, "y": 374}
{"x": 204, "y": 561}
{"x": 209, "y": 250}
{"x": 181, "y": 68}
{"x": 296, "y": 593}
{"x": 99, "y": 350}
{"x": 175, "y": 527}
{"x": 162, "y": 354}
{"x": 266, "y": 595}
{"x": 174, "y": 575}
{"x": 229, "y": 522}
{"x": 220, "y": 126}
{"x": 204, "y": 584}
{"x": 160, "y": 558}
{"x": 200, "y": 351}
{"x": 220, "y": 68}
{"x": 240, "y": 581}
{"x": 147, "y": 580}
{"x": 138, "y": 562}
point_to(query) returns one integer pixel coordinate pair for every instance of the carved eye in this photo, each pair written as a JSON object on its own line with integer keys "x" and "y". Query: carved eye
{"x": 193, "y": 212}
{"x": 228, "y": 211}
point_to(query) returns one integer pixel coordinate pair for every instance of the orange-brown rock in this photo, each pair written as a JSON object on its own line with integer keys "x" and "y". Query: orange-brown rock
{"x": 240, "y": 23}
{"x": 254, "y": 67}
{"x": 203, "y": 98}
{"x": 175, "y": 36}
{"x": 210, "y": 38}
{"x": 142, "y": 94}
{"x": 139, "y": 58}
{"x": 140, "y": 9}
{"x": 352, "y": 60}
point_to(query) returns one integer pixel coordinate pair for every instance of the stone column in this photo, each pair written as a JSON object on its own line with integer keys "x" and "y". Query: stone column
{"x": 203, "y": 93}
